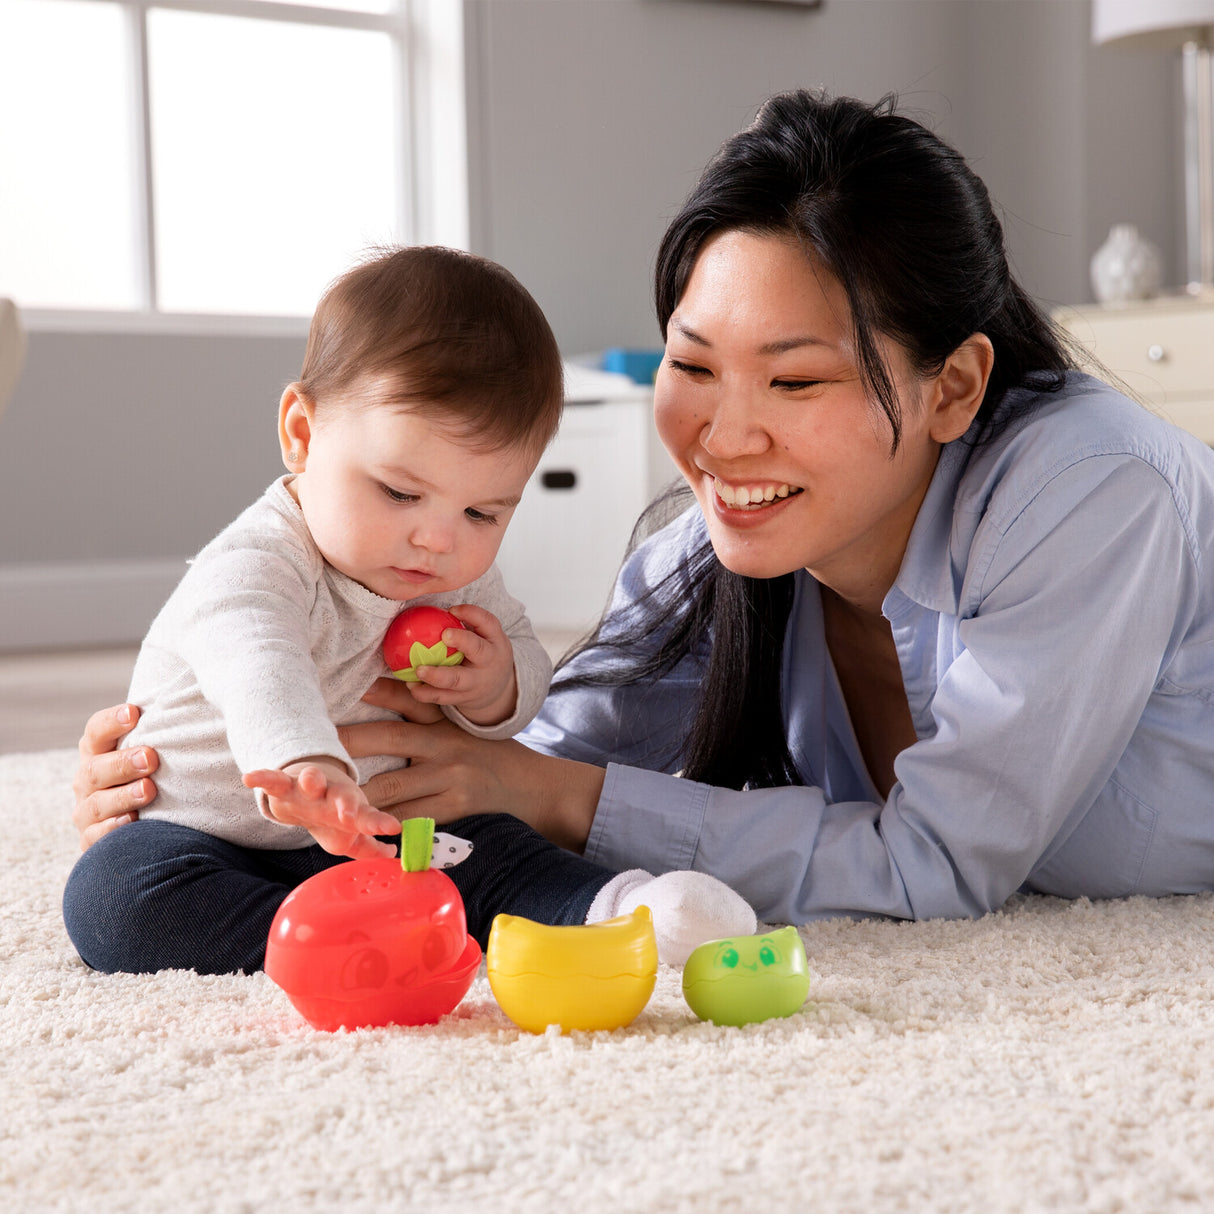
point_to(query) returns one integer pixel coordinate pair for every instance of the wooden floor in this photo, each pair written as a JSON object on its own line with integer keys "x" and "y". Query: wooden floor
{"x": 45, "y": 698}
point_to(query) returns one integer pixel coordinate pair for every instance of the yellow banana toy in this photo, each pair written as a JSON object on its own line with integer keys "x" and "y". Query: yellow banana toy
{"x": 595, "y": 977}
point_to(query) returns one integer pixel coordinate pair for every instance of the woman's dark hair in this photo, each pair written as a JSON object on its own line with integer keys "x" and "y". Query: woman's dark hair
{"x": 897, "y": 217}
{"x": 452, "y": 335}
{"x": 908, "y": 230}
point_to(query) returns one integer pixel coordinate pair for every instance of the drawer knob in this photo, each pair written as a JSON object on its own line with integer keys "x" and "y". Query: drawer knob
{"x": 1156, "y": 353}
{"x": 558, "y": 478}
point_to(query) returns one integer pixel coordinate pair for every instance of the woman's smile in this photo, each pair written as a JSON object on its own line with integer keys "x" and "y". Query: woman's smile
{"x": 750, "y": 497}
{"x": 746, "y": 507}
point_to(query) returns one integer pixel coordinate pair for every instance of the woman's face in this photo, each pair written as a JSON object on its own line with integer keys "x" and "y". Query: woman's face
{"x": 760, "y": 403}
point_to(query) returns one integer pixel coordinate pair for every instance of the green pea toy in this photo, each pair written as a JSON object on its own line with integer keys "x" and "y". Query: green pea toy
{"x": 747, "y": 979}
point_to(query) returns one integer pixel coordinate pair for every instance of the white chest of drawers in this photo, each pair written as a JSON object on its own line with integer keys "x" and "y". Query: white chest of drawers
{"x": 564, "y": 545}
{"x": 1162, "y": 350}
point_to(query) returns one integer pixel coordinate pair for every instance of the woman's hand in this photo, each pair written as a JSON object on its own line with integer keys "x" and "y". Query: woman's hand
{"x": 111, "y": 785}
{"x": 452, "y": 774}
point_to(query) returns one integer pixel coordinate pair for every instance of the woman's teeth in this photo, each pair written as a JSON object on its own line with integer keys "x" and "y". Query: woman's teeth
{"x": 751, "y": 497}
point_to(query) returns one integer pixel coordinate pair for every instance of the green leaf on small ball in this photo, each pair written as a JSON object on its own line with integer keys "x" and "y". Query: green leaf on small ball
{"x": 422, "y": 655}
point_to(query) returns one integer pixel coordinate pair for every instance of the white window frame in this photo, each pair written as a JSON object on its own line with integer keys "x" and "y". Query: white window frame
{"x": 431, "y": 129}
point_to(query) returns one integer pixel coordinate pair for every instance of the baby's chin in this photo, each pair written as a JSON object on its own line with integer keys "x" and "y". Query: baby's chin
{"x": 387, "y": 585}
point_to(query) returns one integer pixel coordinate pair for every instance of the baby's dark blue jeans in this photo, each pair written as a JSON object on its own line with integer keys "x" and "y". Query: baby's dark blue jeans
{"x": 153, "y": 895}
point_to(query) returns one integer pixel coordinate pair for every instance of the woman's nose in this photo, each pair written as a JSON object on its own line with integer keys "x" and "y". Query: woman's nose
{"x": 734, "y": 428}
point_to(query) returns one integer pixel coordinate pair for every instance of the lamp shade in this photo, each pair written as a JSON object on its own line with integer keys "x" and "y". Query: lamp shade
{"x": 1159, "y": 23}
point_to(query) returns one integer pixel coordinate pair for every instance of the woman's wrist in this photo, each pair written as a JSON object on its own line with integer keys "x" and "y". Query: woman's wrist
{"x": 570, "y": 798}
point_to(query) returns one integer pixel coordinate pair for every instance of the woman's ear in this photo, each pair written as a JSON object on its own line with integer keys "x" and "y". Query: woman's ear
{"x": 960, "y": 387}
{"x": 295, "y": 419}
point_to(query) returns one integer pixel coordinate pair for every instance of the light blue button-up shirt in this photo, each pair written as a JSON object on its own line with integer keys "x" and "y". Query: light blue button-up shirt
{"x": 1054, "y": 620}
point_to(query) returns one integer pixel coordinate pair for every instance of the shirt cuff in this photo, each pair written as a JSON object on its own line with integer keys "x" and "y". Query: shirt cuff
{"x": 647, "y": 819}
{"x": 495, "y": 733}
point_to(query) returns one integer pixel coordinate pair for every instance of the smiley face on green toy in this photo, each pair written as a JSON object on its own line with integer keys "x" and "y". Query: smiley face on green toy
{"x": 748, "y": 978}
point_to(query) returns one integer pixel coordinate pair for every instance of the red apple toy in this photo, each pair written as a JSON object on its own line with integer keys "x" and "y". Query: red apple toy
{"x": 415, "y": 638}
{"x": 374, "y": 942}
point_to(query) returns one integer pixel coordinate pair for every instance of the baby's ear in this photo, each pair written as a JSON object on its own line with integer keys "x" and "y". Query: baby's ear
{"x": 295, "y": 414}
{"x": 960, "y": 387}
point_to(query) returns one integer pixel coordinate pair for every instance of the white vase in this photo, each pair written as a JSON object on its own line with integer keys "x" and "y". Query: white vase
{"x": 1126, "y": 267}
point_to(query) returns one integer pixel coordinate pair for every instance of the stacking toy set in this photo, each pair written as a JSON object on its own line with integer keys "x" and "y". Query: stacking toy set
{"x": 375, "y": 942}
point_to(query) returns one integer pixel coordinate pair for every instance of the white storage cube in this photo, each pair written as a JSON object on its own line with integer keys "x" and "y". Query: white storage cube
{"x": 565, "y": 542}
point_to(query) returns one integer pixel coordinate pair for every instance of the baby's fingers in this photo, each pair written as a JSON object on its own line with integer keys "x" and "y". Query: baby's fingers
{"x": 369, "y": 822}
{"x": 273, "y": 783}
{"x": 356, "y": 815}
{"x": 365, "y": 847}
{"x": 441, "y": 678}
{"x": 481, "y": 622}
{"x": 481, "y": 635}
{"x": 313, "y": 783}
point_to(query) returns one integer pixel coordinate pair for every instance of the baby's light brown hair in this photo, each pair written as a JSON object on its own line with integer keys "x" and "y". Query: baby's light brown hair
{"x": 450, "y": 334}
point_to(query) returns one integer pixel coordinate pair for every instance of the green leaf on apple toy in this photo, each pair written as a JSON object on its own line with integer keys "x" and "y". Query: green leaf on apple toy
{"x": 416, "y": 844}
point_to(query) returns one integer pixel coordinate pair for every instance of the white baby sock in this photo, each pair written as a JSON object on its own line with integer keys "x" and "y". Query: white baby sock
{"x": 688, "y": 909}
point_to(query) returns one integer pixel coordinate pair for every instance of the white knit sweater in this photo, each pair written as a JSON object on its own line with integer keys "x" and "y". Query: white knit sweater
{"x": 260, "y": 650}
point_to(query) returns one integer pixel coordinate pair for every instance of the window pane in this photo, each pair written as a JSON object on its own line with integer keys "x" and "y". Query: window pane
{"x": 274, "y": 149}
{"x": 348, "y": 6}
{"x": 69, "y": 219}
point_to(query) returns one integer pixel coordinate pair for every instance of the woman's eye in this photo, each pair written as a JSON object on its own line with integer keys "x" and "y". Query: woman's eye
{"x": 795, "y": 385}
{"x": 683, "y": 368}
{"x": 397, "y": 496}
{"x": 479, "y": 516}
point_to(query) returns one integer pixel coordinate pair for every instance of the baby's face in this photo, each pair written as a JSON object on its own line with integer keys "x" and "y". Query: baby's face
{"x": 404, "y": 505}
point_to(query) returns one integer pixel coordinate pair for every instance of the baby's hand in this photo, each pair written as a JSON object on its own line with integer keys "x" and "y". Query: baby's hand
{"x": 483, "y": 687}
{"x": 320, "y": 796}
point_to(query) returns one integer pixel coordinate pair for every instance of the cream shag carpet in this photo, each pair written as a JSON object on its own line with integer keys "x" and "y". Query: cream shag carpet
{"x": 1054, "y": 1056}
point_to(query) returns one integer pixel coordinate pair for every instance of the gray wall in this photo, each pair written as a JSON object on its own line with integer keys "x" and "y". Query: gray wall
{"x": 137, "y": 446}
{"x": 594, "y": 119}
{"x": 590, "y": 120}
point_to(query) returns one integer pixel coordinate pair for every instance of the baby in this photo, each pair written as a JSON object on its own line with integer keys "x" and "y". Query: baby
{"x": 430, "y": 386}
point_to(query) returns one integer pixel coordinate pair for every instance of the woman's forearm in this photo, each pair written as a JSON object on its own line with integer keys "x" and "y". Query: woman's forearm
{"x": 452, "y": 774}
{"x": 569, "y": 796}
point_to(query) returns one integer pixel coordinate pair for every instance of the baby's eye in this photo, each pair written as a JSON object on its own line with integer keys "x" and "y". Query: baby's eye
{"x": 397, "y": 496}
{"x": 480, "y": 516}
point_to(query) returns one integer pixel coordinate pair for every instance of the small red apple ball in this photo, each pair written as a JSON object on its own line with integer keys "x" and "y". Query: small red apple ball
{"x": 415, "y": 638}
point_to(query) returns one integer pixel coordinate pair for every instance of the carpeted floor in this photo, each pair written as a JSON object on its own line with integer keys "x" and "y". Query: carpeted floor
{"x": 1052, "y": 1057}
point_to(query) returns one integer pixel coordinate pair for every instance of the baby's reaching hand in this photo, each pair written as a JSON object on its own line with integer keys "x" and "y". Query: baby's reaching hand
{"x": 483, "y": 687}
{"x": 319, "y": 795}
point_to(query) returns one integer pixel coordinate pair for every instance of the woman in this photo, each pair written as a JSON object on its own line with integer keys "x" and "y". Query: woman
{"x": 940, "y": 624}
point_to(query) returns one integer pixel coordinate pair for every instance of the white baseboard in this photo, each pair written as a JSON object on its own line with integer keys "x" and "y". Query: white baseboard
{"x": 72, "y": 604}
